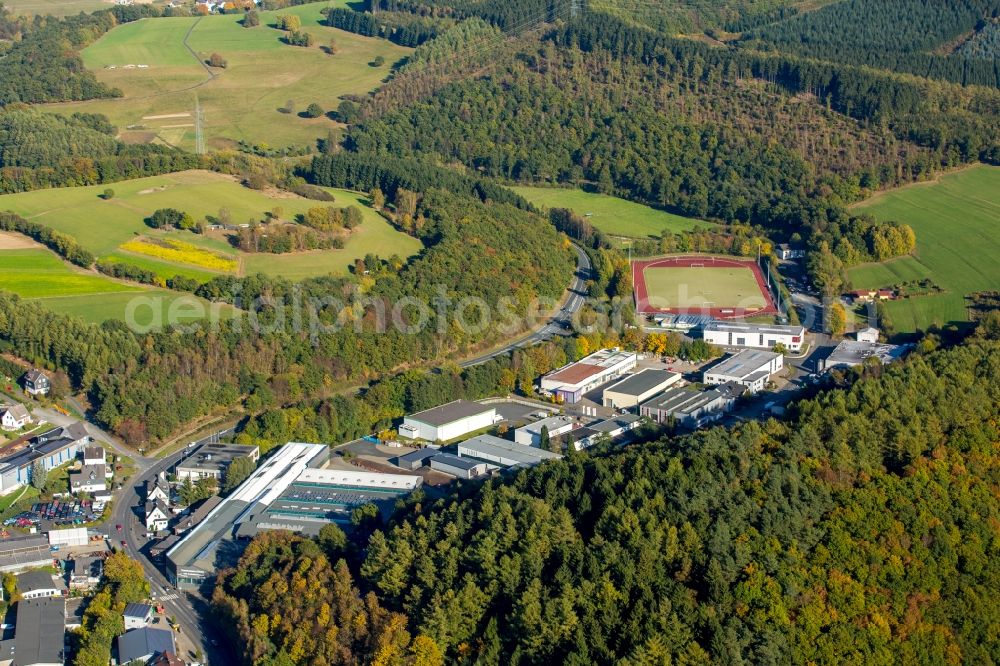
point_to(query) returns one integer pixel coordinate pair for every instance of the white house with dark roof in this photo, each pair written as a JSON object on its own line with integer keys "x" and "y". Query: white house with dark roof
{"x": 157, "y": 516}
{"x": 88, "y": 479}
{"x": 137, "y": 616}
{"x": 14, "y": 417}
{"x": 94, "y": 455}
{"x": 37, "y": 382}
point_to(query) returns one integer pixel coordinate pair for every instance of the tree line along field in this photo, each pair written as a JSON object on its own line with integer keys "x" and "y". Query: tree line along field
{"x": 242, "y": 101}
{"x": 106, "y": 228}
{"x": 955, "y": 219}
{"x": 35, "y": 273}
{"x": 613, "y": 216}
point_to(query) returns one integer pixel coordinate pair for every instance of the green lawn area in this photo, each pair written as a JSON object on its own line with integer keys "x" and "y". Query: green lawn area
{"x": 38, "y": 274}
{"x": 611, "y": 215}
{"x": 956, "y": 220}
{"x": 54, "y": 7}
{"x": 678, "y": 287}
{"x": 242, "y": 100}
{"x": 103, "y": 226}
{"x": 17, "y": 501}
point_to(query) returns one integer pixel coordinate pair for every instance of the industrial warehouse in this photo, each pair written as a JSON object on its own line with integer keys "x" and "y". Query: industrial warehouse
{"x": 288, "y": 491}
{"x": 731, "y": 334}
{"x": 571, "y": 381}
{"x": 751, "y": 368}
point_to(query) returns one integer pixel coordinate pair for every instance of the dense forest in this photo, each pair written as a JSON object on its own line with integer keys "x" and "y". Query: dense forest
{"x": 43, "y": 64}
{"x": 693, "y": 141}
{"x": 861, "y": 530}
{"x": 901, "y": 36}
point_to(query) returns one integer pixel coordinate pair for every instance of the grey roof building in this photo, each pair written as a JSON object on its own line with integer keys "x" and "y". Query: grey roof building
{"x": 39, "y": 583}
{"x": 850, "y": 353}
{"x": 144, "y": 644}
{"x": 415, "y": 459}
{"x": 24, "y": 552}
{"x": 448, "y": 421}
{"x": 40, "y": 633}
{"x": 503, "y": 452}
{"x": 211, "y": 459}
{"x": 750, "y": 367}
{"x": 638, "y": 388}
{"x": 462, "y": 468}
{"x": 689, "y": 407}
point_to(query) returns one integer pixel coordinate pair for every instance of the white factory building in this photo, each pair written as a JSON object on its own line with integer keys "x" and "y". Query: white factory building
{"x": 531, "y": 434}
{"x": 750, "y": 368}
{"x": 448, "y": 421}
{"x": 733, "y": 334}
{"x": 571, "y": 381}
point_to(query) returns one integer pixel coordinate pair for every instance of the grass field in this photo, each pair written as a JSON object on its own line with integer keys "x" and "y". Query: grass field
{"x": 696, "y": 287}
{"x": 611, "y": 215}
{"x": 240, "y": 101}
{"x": 38, "y": 274}
{"x": 54, "y": 7}
{"x": 104, "y": 227}
{"x": 956, "y": 220}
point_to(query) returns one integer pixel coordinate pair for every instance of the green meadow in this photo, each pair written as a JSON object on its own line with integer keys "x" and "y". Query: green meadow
{"x": 241, "y": 101}
{"x": 957, "y": 220}
{"x": 611, "y": 215}
{"x": 104, "y": 226}
{"x": 54, "y": 7}
{"x": 39, "y": 275}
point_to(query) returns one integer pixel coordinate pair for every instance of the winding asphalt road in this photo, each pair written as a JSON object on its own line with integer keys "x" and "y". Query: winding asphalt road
{"x": 558, "y": 324}
{"x": 126, "y": 510}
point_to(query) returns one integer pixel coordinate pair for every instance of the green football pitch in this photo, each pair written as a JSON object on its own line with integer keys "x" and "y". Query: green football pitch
{"x": 698, "y": 286}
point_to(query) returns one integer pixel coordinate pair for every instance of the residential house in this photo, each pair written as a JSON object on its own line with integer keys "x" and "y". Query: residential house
{"x": 14, "y": 417}
{"x": 137, "y": 616}
{"x": 157, "y": 516}
{"x": 85, "y": 572}
{"x": 157, "y": 489}
{"x": 144, "y": 644}
{"x": 94, "y": 455}
{"x": 37, "y": 382}
{"x": 88, "y": 479}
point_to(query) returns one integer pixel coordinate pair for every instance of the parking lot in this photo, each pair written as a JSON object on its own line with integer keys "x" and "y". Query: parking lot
{"x": 60, "y": 513}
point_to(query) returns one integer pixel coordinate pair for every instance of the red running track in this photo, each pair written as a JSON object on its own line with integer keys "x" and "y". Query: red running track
{"x": 642, "y": 305}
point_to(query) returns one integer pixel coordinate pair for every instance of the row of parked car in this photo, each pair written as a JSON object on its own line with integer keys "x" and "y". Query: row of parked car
{"x": 61, "y": 513}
